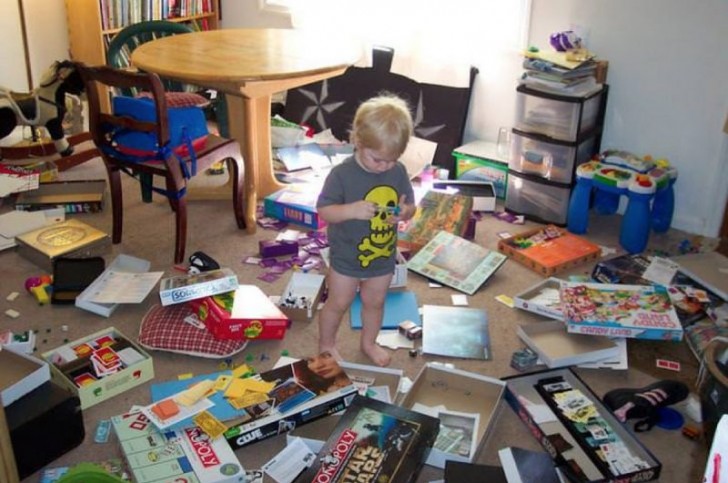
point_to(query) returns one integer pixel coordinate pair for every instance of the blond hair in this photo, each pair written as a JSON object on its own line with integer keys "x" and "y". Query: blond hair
{"x": 383, "y": 123}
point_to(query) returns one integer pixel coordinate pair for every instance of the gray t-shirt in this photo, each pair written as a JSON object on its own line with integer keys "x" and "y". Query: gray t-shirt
{"x": 364, "y": 248}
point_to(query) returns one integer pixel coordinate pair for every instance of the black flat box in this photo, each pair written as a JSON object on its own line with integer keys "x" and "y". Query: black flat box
{"x": 44, "y": 424}
{"x": 585, "y": 440}
{"x": 374, "y": 441}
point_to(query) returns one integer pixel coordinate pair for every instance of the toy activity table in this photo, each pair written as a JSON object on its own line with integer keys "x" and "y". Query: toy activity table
{"x": 618, "y": 174}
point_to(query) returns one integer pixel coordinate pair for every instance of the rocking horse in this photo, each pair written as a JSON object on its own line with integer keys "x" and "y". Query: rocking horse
{"x": 45, "y": 106}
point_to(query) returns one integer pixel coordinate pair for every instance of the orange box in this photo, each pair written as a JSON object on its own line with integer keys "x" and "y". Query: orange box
{"x": 165, "y": 409}
{"x": 551, "y": 255}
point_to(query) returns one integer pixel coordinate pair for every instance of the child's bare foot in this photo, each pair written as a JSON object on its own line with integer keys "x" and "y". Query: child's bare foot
{"x": 332, "y": 351}
{"x": 377, "y": 354}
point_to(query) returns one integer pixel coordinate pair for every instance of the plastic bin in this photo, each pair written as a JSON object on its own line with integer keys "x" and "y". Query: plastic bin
{"x": 537, "y": 199}
{"x": 479, "y": 161}
{"x": 554, "y": 161}
{"x": 559, "y": 117}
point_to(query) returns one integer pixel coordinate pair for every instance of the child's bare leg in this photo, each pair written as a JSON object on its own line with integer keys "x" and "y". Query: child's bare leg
{"x": 342, "y": 290}
{"x": 373, "y": 291}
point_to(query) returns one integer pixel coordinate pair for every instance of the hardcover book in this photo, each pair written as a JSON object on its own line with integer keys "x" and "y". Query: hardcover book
{"x": 374, "y": 441}
{"x": 436, "y": 211}
{"x": 634, "y": 311}
{"x": 455, "y": 332}
{"x": 183, "y": 288}
{"x": 456, "y": 262}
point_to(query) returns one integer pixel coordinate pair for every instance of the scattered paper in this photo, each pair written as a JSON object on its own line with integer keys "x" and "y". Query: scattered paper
{"x": 394, "y": 340}
{"x": 505, "y": 300}
{"x": 380, "y": 393}
{"x": 289, "y": 463}
{"x": 185, "y": 412}
{"x": 459, "y": 299}
{"x": 661, "y": 271}
{"x": 124, "y": 287}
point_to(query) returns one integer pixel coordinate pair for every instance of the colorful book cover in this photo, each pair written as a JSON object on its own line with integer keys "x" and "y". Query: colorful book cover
{"x": 456, "y": 262}
{"x": 455, "y": 332}
{"x": 634, "y": 311}
{"x": 295, "y": 204}
{"x": 374, "y": 441}
{"x": 435, "y": 212}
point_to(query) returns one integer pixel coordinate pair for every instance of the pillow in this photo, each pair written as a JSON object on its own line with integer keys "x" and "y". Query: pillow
{"x": 164, "y": 329}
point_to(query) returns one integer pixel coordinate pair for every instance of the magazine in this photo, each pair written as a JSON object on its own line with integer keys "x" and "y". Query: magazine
{"x": 635, "y": 311}
{"x": 456, "y": 262}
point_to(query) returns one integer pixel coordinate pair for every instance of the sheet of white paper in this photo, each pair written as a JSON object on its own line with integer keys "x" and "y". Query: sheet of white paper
{"x": 394, "y": 340}
{"x": 540, "y": 413}
{"x": 418, "y": 154}
{"x": 428, "y": 410}
{"x": 380, "y": 393}
{"x": 459, "y": 299}
{"x": 289, "y": 463}
{"x": 661, "y": 271}
{"x": 618, "y": 362}
{"x": 6, "y": 242}
{"x": 125, "y": 287}
{"x": 16, "y": 223}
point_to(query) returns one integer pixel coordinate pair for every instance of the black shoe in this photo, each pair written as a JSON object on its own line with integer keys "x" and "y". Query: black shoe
{"x": 643, "y": 403}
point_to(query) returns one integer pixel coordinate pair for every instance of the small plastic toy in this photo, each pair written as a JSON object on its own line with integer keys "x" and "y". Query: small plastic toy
{"x": 40, "y": 287}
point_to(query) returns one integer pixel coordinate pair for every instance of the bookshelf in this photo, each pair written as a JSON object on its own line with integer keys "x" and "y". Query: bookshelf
{"x": 93, "y": 23}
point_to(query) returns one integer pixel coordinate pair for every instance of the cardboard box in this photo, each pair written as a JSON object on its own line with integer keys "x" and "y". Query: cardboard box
{"x": 575, "y": 447}
{"x": 315, "y": 434}
{"x": 302, "y": 296}
{"x": 20, "y": 374}
{"x": 480, "y": 161}
{"x": 542, "y": 298}
{"x": 461, "y": 392}
{"x": 70, "y": 238}
{"x": 295, "y": 204}
{"x": 325, "y": 401}
{"x": 183, "y": 288}
{"x": 122, "y": 263}
{"x": 172, "y": 456}
{"x": 75, "y": 196}
{"x": 246, "y": 313}
{"x": 374, "y": 441}
{"x": 549, "y": 250}
{"x": 558, "y": 348}
{"x": 68, "y": 364}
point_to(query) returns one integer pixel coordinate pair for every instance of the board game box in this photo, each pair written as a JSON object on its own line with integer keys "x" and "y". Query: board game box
{"x": 542, "y": 298}
{"x": 183, "y": 288}
{"x": 549, "y": 250}
{"x": 436, "y": 211}
{"x": 295, "y": 204}
{"x": 245, "y": 313}
{"x": 456, "y": 262}
{"x": 584, "y": 438}
{"x": 633, "y": 311}
{"x": 374, "y": 441}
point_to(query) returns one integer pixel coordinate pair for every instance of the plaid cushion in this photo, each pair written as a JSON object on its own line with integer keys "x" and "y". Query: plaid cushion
{"x": 164, "y": 329}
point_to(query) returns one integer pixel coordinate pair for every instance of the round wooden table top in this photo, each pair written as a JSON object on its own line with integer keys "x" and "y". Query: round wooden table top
{"x": 245, "y": 55}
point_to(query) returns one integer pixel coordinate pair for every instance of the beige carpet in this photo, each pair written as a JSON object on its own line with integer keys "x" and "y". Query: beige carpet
{"x": 149, "y": 234}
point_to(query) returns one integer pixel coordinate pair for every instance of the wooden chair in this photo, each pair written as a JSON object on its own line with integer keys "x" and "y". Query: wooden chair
{"x": 103, "y": 125}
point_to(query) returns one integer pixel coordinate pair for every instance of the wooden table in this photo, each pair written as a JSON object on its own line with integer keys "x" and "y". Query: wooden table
{"x": 249, "y": 65}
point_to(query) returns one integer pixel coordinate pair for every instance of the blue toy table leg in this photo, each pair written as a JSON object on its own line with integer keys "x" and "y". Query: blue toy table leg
{"x": 663, "y": 207}
{"x": 578, "y": 215}
{"x": 605, "y": 203}
{"x": 635, "y": 228}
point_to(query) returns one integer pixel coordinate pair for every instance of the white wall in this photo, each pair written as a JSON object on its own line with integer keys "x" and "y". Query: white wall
{"x": 668, "y": 68}
{"x": 250, "y": 14}
{"x": 12, "y": 73}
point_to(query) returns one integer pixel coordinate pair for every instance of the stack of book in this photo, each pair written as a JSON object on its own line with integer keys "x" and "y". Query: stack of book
{"x": 555, "y": 73}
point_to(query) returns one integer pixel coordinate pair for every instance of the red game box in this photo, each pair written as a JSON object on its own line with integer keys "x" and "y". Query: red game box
{"x": 246, "y": 313}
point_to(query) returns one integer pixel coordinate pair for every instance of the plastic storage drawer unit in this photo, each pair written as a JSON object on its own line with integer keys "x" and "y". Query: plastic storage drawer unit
{"x": 556, "y": 116}
{"x": 552, "y": 160}
{"x": 537, "y": 199}
{"x": 479, "y": 161}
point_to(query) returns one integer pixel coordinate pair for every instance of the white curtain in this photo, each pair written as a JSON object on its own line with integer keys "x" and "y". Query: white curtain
{"x": 437, "y": 42}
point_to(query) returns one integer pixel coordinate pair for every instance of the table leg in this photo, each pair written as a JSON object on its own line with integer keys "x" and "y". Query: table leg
{"x": 259, "y": 110}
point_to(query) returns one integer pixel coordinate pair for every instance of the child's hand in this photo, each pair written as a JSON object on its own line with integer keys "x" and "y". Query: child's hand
{"x": 362, "y": 210}
{"x": 406, "y": 210}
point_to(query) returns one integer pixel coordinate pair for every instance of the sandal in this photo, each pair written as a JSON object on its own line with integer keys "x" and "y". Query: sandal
{"x": 644, "y": 403}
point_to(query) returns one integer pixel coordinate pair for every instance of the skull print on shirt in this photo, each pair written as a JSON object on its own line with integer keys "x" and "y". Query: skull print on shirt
{"x": 380, "y": 243}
